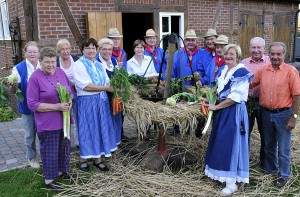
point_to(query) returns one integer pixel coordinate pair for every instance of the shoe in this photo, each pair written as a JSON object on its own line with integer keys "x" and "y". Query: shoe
{"x": 83, "y": 166}
{"x": 227, "y": 191}
{"x": 101, "y": 167}
{"x": 124, "y": 139}
{"x": 33, "y": 163}
{"x": 65, "y": 176}
{"x": 53, "y": 186}
{"x": 279, "y": 183}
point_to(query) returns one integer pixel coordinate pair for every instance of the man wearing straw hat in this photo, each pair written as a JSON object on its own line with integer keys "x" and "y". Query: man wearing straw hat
{"x": 117, "y": 53}
{"x": 191, "y": 57}
{"x": 155, "y": 52}
{"x": 210, "y": 50}
{"x": 217, "y": 64}
{"x": 256, "y": 61}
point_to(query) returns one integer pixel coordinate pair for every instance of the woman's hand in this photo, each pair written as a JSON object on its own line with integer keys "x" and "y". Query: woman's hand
{"x": 212, "y": 107}
{"x": 108, "y": 88}
{"x": 63, "y": 106}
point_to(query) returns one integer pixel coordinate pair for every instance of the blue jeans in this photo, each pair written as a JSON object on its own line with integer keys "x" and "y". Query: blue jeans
{"x": 258, "y": 115}
{"x": 277, "y": 142}
{"x": 29, "y": 136}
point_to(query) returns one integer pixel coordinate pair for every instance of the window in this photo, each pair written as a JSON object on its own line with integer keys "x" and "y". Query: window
{"x": 4, "y": 27}
{"x": 171, "y": 23}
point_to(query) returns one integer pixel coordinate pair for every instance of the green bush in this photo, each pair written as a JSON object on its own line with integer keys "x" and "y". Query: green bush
{"x": 6, "y": 114}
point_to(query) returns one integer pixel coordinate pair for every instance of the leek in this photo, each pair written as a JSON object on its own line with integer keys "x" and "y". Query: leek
{"x": 64, "y": 97}
{"x": 212, "y": 99}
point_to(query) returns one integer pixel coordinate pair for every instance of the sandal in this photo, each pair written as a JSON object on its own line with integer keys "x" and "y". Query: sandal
{"x": 83, "y": 165}
{"x": 101, "y": 167}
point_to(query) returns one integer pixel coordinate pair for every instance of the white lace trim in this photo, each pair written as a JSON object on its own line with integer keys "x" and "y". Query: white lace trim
{"x": 226, "y": 179}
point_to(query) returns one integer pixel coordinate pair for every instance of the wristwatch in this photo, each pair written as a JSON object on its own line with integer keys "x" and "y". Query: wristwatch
{"x": 295, "y": 115}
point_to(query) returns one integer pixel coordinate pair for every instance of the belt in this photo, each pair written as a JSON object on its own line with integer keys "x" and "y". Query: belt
{"x": 274, "y": 111}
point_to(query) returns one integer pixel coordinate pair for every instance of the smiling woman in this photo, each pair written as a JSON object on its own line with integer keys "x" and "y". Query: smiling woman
{"x": 43, "y": 100}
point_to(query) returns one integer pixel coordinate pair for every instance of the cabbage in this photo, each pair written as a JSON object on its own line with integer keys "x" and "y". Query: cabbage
{"x": 13, "y": 78}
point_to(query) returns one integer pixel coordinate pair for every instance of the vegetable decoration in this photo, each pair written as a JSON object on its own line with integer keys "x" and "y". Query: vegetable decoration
{"x": 13, "y": 81}
{"x": 64, "y": 97}
{"x": 212, "y": 99}
{"x": 173, "y": 99}
{"x": 121, "y": 86}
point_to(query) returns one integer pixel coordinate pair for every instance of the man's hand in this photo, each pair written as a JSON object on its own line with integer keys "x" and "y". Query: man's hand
{"x": 291, "y": 123}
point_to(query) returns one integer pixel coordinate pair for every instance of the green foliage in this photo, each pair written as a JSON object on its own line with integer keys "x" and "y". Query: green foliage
{"x": 120, "y": 83}
{"x": 3, "y": 93}
{"x": 140, "y": 83}
{"x": 176, "y": 86}
{"x": 6, "y": 114}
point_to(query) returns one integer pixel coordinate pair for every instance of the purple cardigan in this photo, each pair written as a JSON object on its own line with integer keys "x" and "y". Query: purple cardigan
{"x": 40, "y": 90}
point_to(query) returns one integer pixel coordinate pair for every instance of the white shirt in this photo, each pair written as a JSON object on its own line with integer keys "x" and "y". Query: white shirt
{"x": 82, "y": 78}
{"x": 104, "y": 65}
{"x": 30, "y": 70}
{"x": 134, "y": 68}
{"x": 239, "y": 90}
{"x": 68, "y": 71}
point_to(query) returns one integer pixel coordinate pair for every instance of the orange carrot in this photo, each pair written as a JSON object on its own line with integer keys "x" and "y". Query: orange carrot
{"x": 114, "y": 106}
{"x": 202, "y": 103}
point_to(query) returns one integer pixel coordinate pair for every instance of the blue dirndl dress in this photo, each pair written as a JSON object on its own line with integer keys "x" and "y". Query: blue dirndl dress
{"x": 227, "y": 156}
{"x": 95, "y": 125}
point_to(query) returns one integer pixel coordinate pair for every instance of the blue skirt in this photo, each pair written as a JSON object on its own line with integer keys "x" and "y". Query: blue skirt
{"x": 227, "y": 156}
{"x": 96, "y": 131}
{"x": 118, "y": 124}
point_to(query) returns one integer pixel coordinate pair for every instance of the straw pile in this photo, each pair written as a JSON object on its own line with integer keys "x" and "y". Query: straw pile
{"x": 127, "y": 178}
{"x": 145, "y": 113}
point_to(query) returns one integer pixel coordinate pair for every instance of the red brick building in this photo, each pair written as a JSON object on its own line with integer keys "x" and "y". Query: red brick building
{"x": 47, "y": 21}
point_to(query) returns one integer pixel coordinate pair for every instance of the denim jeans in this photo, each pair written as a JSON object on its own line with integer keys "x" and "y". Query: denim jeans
{"x": 277, "y": 142}
{"x": 257, "y": 113}
{"x": 29, "y": 136}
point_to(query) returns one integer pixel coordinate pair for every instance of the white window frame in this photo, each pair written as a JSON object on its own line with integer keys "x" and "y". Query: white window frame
{"x": 168, "y": 15}
{"x": 4, "y": 26}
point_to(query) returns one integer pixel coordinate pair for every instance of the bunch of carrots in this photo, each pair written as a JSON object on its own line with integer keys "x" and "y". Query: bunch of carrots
{"x": 117, "y": 105}
{"x": 204, "y": 108}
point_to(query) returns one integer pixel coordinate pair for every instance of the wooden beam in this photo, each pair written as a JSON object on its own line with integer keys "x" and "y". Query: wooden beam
{"x": 30, "y": 15}
{"x": 63, "y": 5}
{"x": 217, "y": 14}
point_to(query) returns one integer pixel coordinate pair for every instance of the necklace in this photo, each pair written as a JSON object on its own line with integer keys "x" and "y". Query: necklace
{"x": 51, "y": 81}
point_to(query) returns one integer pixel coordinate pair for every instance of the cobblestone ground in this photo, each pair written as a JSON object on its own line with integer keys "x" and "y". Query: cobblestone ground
{"x": 12, "y": 149}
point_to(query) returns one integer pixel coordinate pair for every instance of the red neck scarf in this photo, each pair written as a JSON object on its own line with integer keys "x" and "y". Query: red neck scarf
{"x": 154, "y": 53}
{"x": 190, "y": 54}
{"x": 219, "y": 61}
{"x": 117, "y": 53}
{"x": 212, "y": 52}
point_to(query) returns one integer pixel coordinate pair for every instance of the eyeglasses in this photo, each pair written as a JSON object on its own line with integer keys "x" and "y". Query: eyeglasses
{"x": 105, "y": 49}
{"x": 87, "y": 48}
{"x": 65, "y": 49}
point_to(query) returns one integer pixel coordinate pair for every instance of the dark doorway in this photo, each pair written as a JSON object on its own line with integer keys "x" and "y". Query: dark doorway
{"x": 134, "y": 26}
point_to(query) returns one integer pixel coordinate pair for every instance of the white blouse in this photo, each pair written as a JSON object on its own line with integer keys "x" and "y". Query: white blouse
{"x": 68, "y": 71}
{"x": 30, "y": 70}
{"x": 239, "y": 90}
{"x": 82, "y": 78}
{"x": 134, "y": 68}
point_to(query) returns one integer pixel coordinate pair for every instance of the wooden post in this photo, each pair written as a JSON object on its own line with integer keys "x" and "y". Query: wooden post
{"x": 172, "y": 49}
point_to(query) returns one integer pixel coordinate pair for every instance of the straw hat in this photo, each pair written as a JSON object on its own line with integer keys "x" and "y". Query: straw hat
{"x": 190, "y": 34}
{"x": 211, "y": 32}
{"x": 114, "y": 33}
{"x": 222, "y": 39}
{"x": 150, "y": 33}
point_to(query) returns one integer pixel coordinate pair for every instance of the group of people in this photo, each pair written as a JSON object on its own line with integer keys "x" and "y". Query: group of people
{"x": 274, "y": 89}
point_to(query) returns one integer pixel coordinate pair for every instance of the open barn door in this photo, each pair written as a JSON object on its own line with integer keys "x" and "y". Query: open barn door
{"x": 98, "y": 24}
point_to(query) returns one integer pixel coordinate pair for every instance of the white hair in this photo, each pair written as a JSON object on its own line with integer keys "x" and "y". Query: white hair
{"x": 103, "y": 41}
{"x": 258, "y": 40}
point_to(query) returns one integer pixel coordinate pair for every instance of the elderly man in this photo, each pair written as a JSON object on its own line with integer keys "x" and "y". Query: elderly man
{"x": 279, "y": 97}
{"x": 217, "y": 64}
{"x": 118, "y": 54}
{"x": 253, "y": 63}
{"x": 191, "y": 56}
{"x": 155, "y": 52}
{"x": 210, "y": 50}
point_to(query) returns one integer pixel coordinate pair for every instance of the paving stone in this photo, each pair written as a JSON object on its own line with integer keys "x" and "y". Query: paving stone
{"x": 10, "y": 161}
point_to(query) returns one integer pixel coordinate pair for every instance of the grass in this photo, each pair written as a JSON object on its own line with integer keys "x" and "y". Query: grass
{"x": 23, "y": 182}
